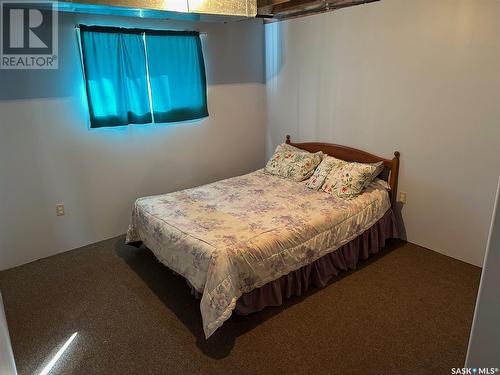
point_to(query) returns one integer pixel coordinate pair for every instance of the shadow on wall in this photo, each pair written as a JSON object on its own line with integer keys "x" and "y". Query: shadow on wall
{"x": 46, "y": 83}
{"x": 174, "y": 293}
{"x": 400, "y": 225}
{"x": 244, "y": 64}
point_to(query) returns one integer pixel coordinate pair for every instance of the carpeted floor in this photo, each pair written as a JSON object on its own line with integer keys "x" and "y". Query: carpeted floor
{"x": 405, "y": 311}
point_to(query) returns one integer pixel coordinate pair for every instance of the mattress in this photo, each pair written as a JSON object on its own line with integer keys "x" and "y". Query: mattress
{"x": 232, "y": 236}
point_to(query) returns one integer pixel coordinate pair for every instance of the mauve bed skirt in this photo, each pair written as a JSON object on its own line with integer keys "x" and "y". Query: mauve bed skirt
{"x": 319, "y": 272}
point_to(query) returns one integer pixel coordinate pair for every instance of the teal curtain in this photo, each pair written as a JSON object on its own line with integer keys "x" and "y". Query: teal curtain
{"x": 116, "y": 78}
{"x": 177, "y": 76}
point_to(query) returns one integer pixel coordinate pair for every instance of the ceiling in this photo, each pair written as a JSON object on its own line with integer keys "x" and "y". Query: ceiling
{"x": 188, "y": 10}
{"x": 208, "y": 10}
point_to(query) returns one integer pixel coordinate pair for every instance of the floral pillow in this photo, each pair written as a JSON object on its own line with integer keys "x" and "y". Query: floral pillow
{"x": 287, "y": 147}
{"x": 348, "y": 179}
{"x": 295, "y": 165}
{"x": 321, "y": 173}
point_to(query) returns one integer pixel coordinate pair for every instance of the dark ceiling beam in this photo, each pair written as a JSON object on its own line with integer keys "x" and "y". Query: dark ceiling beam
{"x": 265, "y": 3}
{"x": 296, "y": 8}
{"x": 293, "y": 4}
{"x": 265, "y": 7}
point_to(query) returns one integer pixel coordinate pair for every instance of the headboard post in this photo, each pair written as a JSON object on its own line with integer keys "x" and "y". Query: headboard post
{"x": 352, "y": 154}
{"x": 394, "y": 176}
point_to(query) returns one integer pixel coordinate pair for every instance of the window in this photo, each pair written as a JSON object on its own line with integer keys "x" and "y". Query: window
{"x": 136, "y": 76}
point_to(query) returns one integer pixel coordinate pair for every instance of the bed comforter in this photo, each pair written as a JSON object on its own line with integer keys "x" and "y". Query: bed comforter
{"x": 232, "y": 236}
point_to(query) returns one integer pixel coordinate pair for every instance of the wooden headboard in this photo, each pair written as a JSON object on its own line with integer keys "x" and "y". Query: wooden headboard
{"x": 390, "y": 173}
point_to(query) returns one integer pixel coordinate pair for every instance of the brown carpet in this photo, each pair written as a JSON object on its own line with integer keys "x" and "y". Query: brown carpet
{"x": 406, "y": 311}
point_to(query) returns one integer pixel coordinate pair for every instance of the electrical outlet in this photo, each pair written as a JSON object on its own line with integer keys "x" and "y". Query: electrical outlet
{"x": 60, "y": 209}
{"x": 402, "y": 197}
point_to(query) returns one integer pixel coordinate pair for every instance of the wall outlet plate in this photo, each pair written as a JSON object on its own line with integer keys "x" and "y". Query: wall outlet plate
{"x": 402, "y": 197}
{"x": 60, "y": 209}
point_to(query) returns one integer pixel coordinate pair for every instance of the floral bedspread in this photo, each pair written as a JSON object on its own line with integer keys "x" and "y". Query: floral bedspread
{"x": 232, "y": 236}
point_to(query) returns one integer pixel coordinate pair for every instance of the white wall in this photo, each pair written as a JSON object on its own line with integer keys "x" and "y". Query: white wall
{"x": 484, "y": 343}
{"x": 48, "y": 155}
{"x": 422, "y": 77}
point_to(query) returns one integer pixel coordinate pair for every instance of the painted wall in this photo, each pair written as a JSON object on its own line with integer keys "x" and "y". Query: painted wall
{"x": 422, "y": 77}
{"x": 48, "y": 155}
{"x": 484, "y": 343}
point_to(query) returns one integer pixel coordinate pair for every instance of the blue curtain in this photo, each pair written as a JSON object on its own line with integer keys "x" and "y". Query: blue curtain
{"x": 177, "y": 76}
{"x": 116, "y": 78}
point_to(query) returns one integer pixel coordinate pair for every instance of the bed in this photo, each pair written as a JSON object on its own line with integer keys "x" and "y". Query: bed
{"x": 247, "y": 242}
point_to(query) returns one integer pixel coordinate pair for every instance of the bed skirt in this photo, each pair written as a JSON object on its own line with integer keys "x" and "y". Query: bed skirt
{"x": 319, "y": 272}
